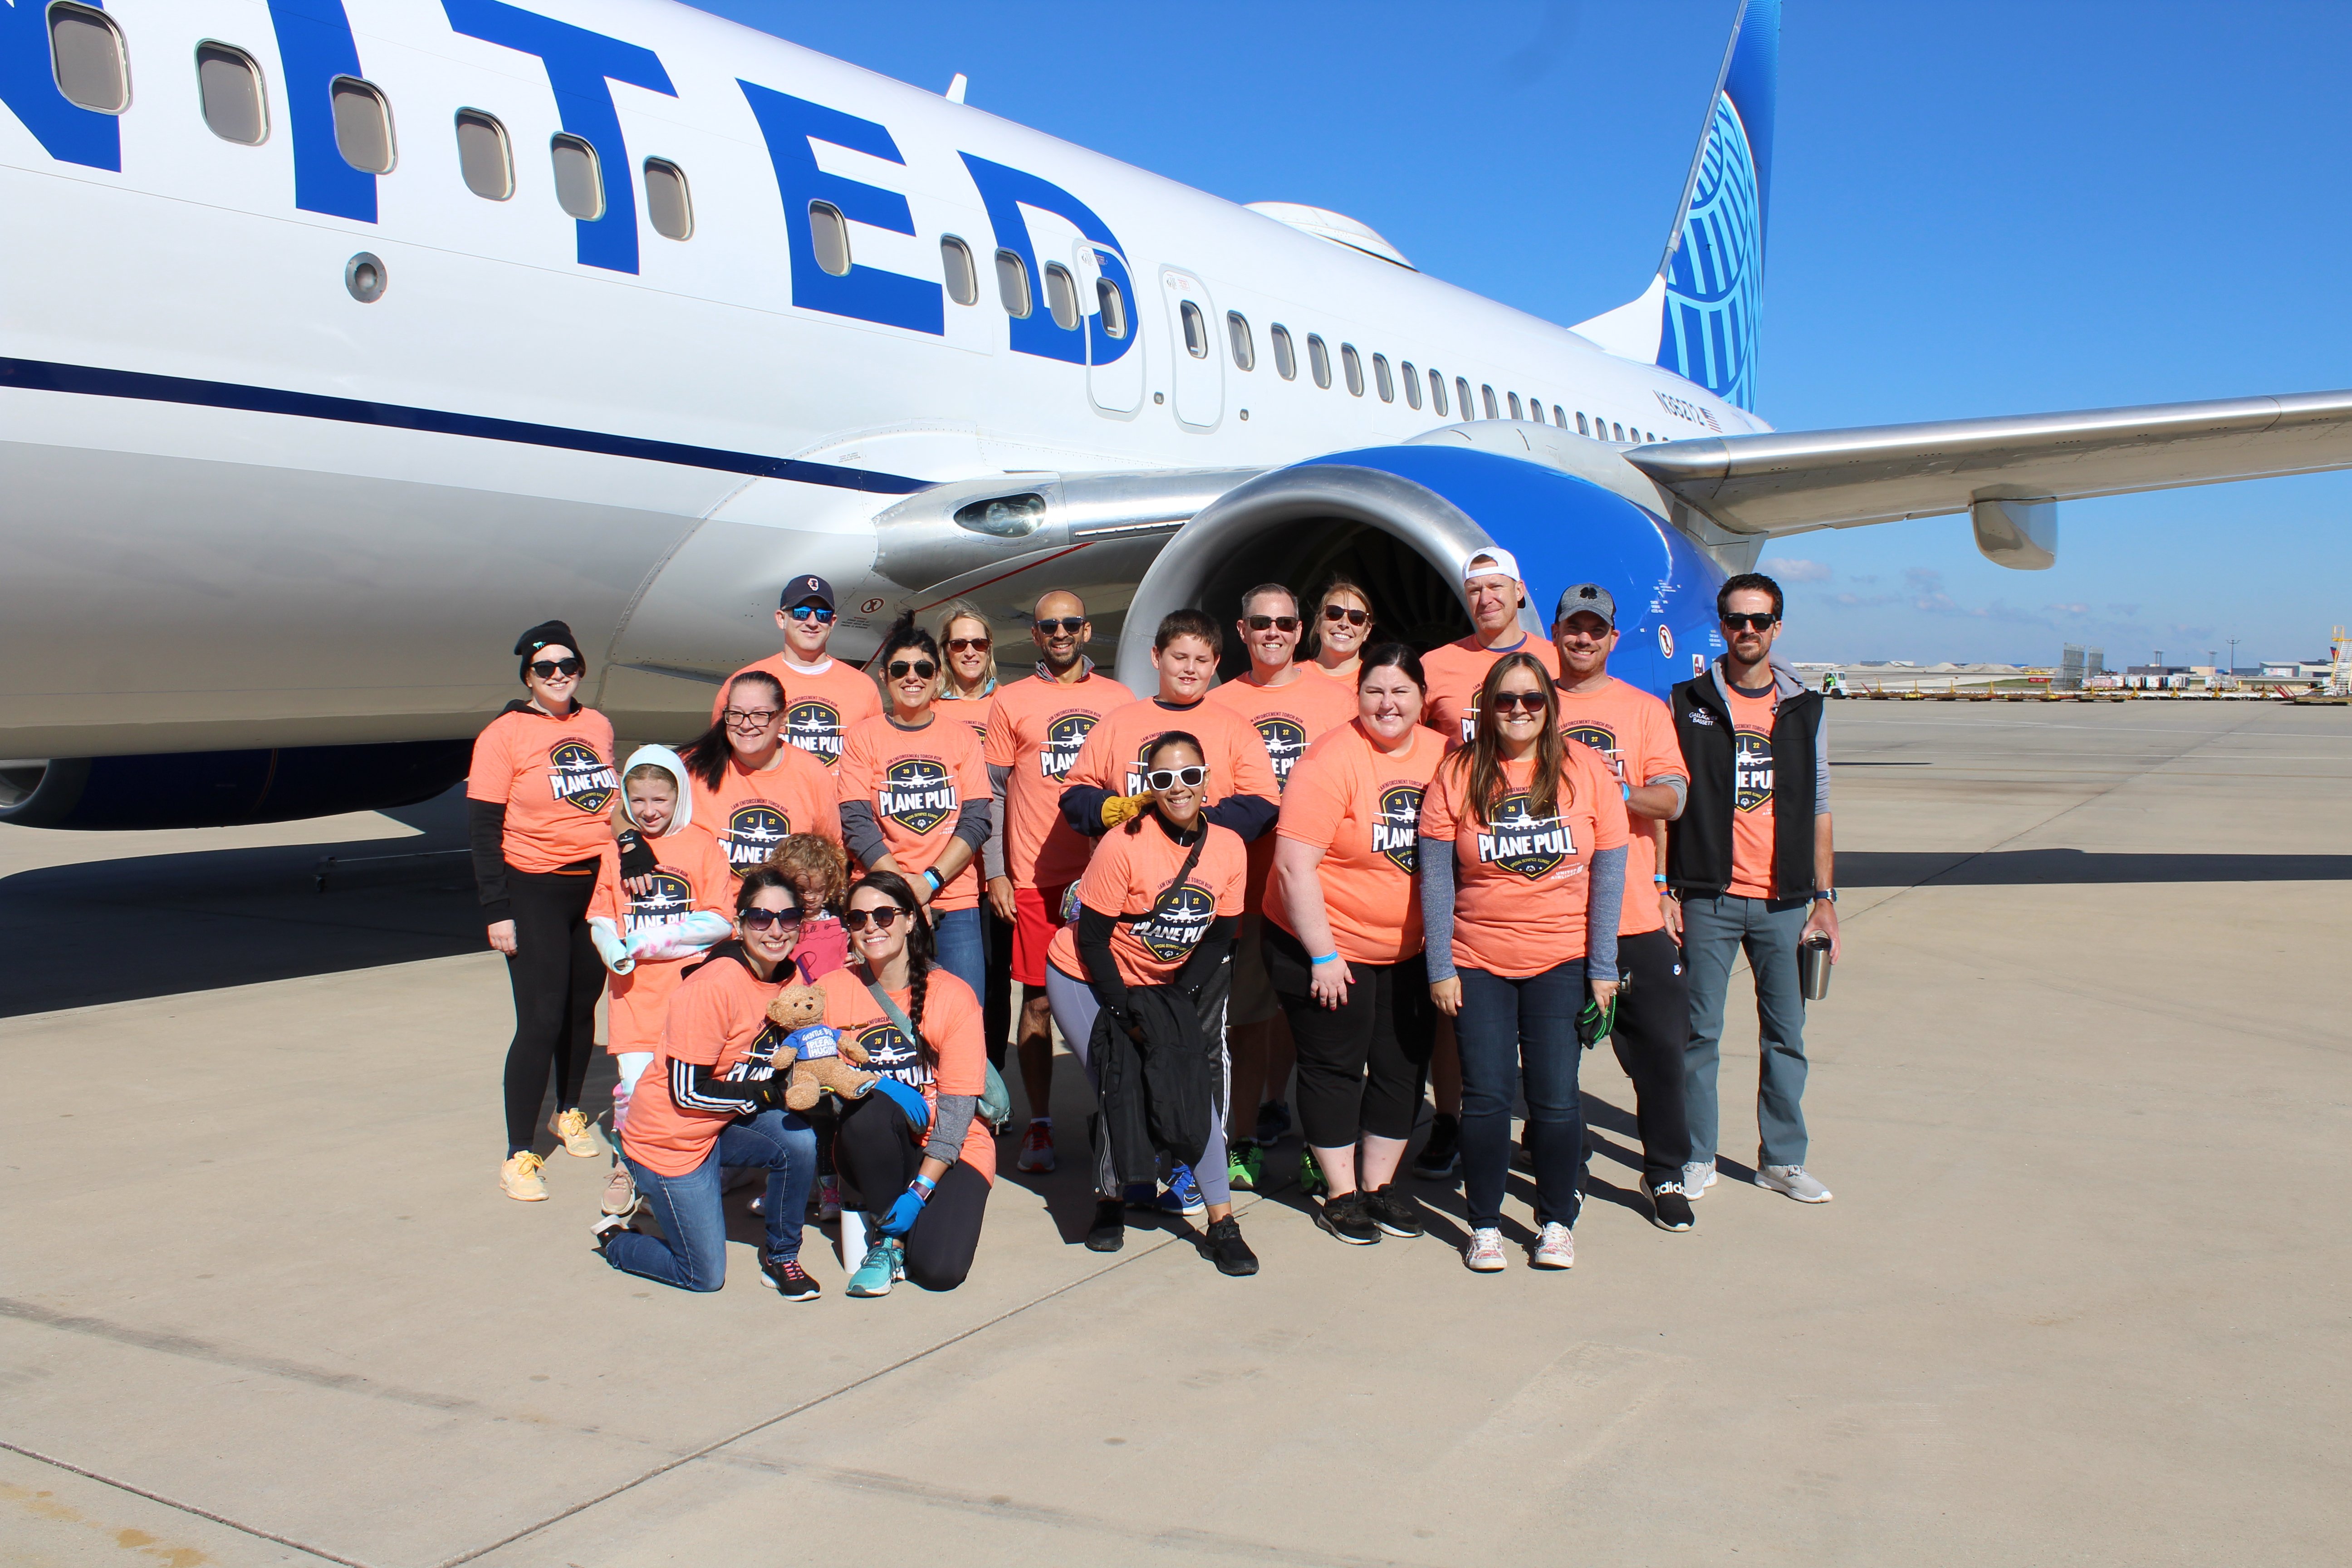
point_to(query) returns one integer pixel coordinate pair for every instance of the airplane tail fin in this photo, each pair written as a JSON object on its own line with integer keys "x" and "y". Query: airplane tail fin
{"x": 1699, "y": 318}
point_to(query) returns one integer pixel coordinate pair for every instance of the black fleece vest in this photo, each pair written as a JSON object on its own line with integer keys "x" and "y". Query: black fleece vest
{"x": 1698, "y": 843}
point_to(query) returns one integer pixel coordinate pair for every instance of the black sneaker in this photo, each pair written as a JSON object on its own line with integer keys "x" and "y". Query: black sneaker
{"x": 1397, "y": 1213}
{"x": 1345, "y": 1218}
{"x": 1232, "y": 1254}
{"x": 1441, "y": 1157}
{"x": 791, "y": 1281}
{"x": 1109, "y": 1233}
{"x": 1273, "y": 1122}
{"x": 1670, "y": 1206}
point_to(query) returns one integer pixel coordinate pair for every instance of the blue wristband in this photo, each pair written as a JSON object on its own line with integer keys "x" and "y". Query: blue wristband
{"x": 1327, "y": 958}
{"x": 922, "y": 1186}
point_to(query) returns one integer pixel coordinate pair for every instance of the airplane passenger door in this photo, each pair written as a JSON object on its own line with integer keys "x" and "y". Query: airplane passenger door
{"x": 1114, "y": 336}
{"x": 1200, "y": 370}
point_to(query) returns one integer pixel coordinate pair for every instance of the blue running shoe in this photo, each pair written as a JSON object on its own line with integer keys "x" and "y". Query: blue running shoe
{"x": 885, "y": 1266}
{"x": 1183, "y": 1194}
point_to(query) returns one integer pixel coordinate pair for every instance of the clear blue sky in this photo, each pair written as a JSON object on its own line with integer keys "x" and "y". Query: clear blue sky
{"x": 1978, "y": 208}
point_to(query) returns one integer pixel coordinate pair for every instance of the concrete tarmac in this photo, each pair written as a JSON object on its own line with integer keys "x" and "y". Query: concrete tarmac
{"x": 2077, "y": 1087}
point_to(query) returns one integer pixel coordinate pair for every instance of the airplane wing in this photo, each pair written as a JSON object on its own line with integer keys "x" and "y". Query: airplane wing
{"x": 2009, "y": 472}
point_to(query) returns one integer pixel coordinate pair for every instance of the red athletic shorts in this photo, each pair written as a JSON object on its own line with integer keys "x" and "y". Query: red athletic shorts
{"x": 1037, "y": 915}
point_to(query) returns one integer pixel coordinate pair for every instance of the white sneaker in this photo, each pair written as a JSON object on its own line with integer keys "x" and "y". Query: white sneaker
{"x": 1793, "y": 1181}
{"x": 1484, "y": 1253}
{"x": 1697, "y": 1176}
{"x": 1556, "y": 1247}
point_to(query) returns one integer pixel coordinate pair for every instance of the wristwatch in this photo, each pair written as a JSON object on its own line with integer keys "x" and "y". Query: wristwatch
{"x": 1825, "y": 895}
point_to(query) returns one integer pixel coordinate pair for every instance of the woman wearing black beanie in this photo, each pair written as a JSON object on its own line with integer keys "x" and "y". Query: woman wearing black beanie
{"x": 536, "y": 803}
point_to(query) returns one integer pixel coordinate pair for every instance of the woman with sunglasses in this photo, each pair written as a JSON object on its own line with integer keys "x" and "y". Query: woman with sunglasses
{"x": 914, "y": 1156}
{"x": 1343, "y": 944}
{"x": 712, "y": 1099}
{"x": 1341, "y": 627}
{"x": 1158, "y": 906}
{"x": 537, "y": 799}
{"x": 751, "y": 791}
{"x": 915, "y": 799}
{"x": 971, "y": 684}
{"x": 1522, "y": 861}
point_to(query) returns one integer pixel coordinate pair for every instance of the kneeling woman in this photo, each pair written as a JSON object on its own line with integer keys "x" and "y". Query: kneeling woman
{"x": 913, "y": 1154}
{"x": 1156, "y": 907}
{"x": 711, "y": 1098}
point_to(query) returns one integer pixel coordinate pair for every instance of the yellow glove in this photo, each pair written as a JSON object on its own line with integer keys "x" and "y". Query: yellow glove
{"x": 1122, "y": 808}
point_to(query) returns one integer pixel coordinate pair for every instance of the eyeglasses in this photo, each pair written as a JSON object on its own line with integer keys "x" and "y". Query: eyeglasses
{"x": 1341, "y": 613}
{"x": 1169, "y": 778}
{"x": 1519, "y": 702}
{"x": 1281, "y": 623}
{"x": 549, "y": 668}
{"x": 966, "y": 645}
{"x": 765, "y": 920}
{"x": 1066, "y": 627}
{"x": 750, "y": 718}
{"x": 1763, "y": 622}
{"x": 882, "y": 918}
{"x": 921, "y": 668}
{"x": 803, "y": 612}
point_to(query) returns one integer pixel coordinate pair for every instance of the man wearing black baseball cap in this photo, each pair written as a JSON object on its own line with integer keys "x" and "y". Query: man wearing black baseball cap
{"x": 822, "y": 696}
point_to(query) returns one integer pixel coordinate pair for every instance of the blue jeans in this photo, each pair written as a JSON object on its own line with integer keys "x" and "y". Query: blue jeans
{"x": 962, "y": 945}
{"x": 694, "y": 1254}
{"x": 1714, "y": 932}
{"x": 1520, "y": 1035}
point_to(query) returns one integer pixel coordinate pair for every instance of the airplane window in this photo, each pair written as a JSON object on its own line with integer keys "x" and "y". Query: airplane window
{"x": 85, "y": 53}
{"x": 1245, "y": 347}
{"x": 1621, "y": 431}
{"x": 1437, "y": 395}
{"x": 955, "y": 258}
{"x": 1559, "y": 417}
{"x": 1492, "y": 412}
{"x": 1114, "y": 307}
{"x": 1286, "y": 359}
{"x": 1061, "y": 297}
{"x": 1579, "y": 425}
{"x": 1196, "y": 331}
{"x": 1462, "y": 395}
{"x": 1319, "y": 361}
{"x": 1012, "y": 283}
{"x": 482, "y": 155}
{"x": 1354, "y": 367}
{"x": 578, "y": 179}
{"x": 1380, "y": 378}
{"x": 362, "y": 125}
{"x": 1412, "y": 378}
{"x": 829, "y": 238}
{"x": 230, "y": 85}
{"x": 666, "y": 201}
{"x": 1515, "y": 406}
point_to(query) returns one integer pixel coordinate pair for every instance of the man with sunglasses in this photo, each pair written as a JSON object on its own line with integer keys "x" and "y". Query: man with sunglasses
{"x": 822, "y": 696}
{"x": 1750, "y": 865}
{"x": 1290, "y": 709}
{"x": 1036, "y": 728}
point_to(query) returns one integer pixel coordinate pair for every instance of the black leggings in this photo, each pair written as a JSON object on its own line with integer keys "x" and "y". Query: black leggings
{"x": 1387, "y": 1028}
{"x": 996, "y": 1006}
{"x": 878, "y": 1154}
{"x": 1653, "y": 1029}
{"x": 556, "y": 979}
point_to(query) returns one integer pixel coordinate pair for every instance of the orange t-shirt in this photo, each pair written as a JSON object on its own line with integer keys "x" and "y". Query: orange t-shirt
{"x": 1456, "y": 672}
{"x": 951, "y": 1023}
{"x": 1112, "y": 756}
{"x": 719, "y": 1019}
{"x": 1635, "y": 736}
{"x": 1037, "y": 727}
{"x": 1362, "y": 809}
{"x": 1288, "y": 719}
{"x": 1751, "y": 793}
{"x": 819, "y": 707}
{"x": 917, "y": 781}
{"x": 1127, "y": 875}
{"x": 555, "y": 778}
{"x": 1519, "y": 885}
{"x": 972, "y": 712}
{"x": 751, "y": 813}
{"x": 693, "y": 875}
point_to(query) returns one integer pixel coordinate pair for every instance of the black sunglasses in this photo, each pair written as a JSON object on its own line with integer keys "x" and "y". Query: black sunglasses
{"x": 966, "y": 645}
{"x": 803, "y": 612}
{"x": 882, "y": 918}
{"x": 761, "y": 920}
{"x": 549, "y": 668}
{"x": 1068, "y": 626}
{"x": 1762, "y": 622}
{"x": 1519, "y": 702}
{"x": 1341, "y": 613}
{"x": 923, "y": 668}
{"x": 1259, "y": 622}
{"x": 1169, "y": 778}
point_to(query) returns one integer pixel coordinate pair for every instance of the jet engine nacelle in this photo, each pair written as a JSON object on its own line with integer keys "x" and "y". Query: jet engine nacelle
{"x": 218, "y": 789}
{"x": 1402, "y": 520}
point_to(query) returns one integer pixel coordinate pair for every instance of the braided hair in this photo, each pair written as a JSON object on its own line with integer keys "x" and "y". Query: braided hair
{"x": 922, "y": 951}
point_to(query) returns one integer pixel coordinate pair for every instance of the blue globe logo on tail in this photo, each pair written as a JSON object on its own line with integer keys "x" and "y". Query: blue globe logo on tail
{"x": 1715, "y": 287}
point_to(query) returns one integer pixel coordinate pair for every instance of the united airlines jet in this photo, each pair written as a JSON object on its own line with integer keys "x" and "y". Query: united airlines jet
{"x": 340, "y": 338}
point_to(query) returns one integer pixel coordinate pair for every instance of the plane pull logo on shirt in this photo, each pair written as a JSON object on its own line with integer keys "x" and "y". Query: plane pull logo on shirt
{"x": 1177, "y": 922}
{"x": 1751, "y": 769}
{"x": 577, "y": 776}
{"x": 815, "y": 726}
{"x": 754, "y": 831}
{"x": 671, "y": 897}
{"x": 1533, "y": 846}
{"x": 1396, "y": 831}
{"x": 889, "y": 1052}
{"x": 1065, "y": 737}
{"x": 1601, "y": 739}
{"x": 1285, "y": 743}
{"x": 918, "y": 794}
{"x": 760, "y": 1062}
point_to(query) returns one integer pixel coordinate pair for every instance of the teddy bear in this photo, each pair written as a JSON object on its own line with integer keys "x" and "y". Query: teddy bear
{"x": 819, "y": 1057}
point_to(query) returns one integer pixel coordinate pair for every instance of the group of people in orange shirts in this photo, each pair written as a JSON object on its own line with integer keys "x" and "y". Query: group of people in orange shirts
{"x": 1378, "y": 870}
